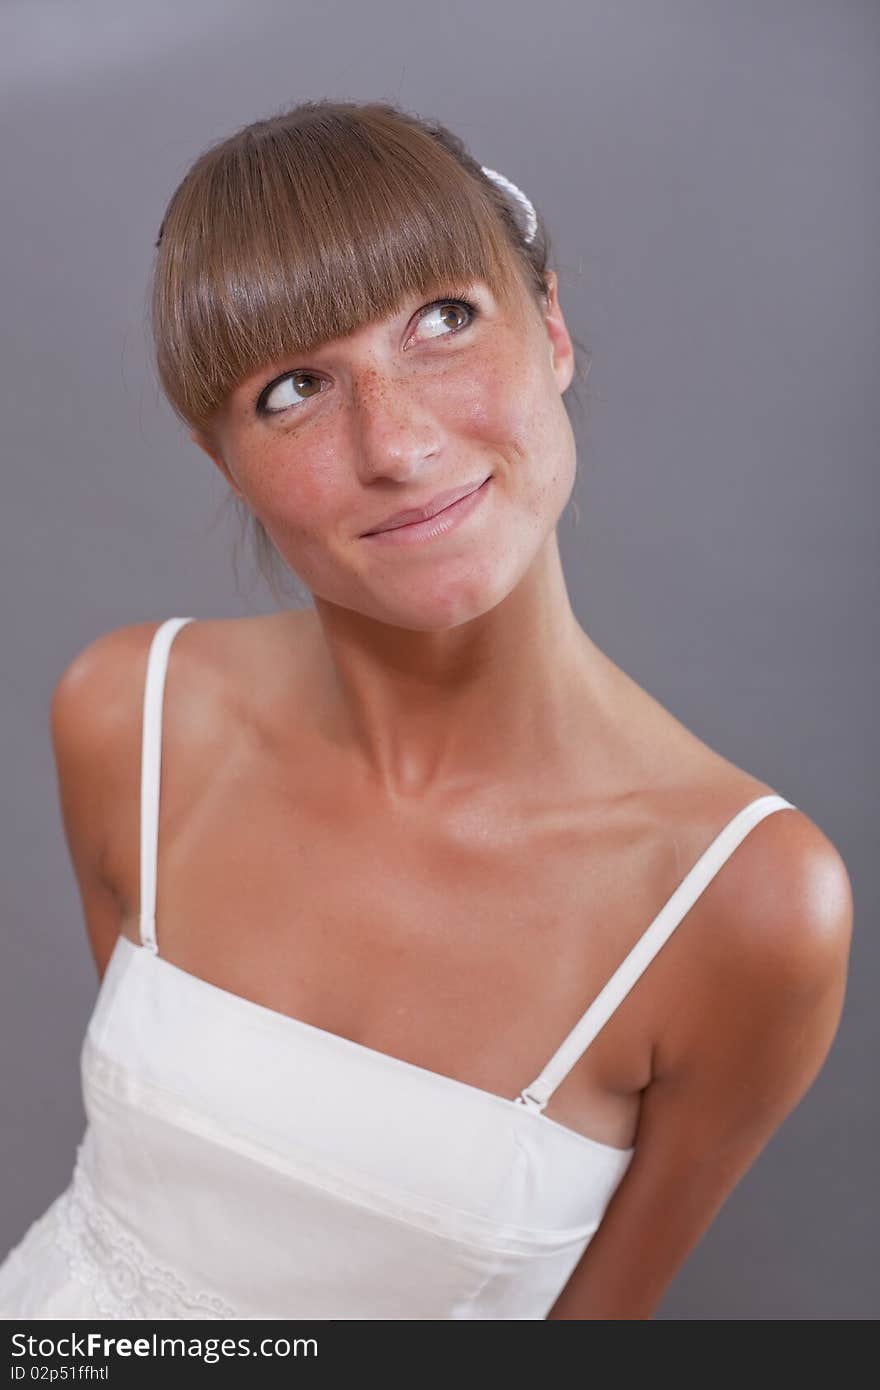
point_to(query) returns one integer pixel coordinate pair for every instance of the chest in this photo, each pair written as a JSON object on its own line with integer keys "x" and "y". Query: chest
{"x": 467, "y": 938}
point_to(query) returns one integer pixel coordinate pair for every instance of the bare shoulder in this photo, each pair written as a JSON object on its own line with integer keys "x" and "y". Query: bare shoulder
{"x": 96, "y": 709}
{"x": 766, "y": 952}
{"x": 765, "y": 977}
{"x": 758, "y": 1002}
{"x": 94, "y": 712}
{"x": 779, "y": 917}
{"x": 102, "y": 667}
{"x": 779, "y": 908}
{"x": 96, "y": 726}
{"x": 94, "y": 721}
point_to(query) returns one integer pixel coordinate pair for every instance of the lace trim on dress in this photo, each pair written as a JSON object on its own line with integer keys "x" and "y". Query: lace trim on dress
{"x": 122, "y": 1276}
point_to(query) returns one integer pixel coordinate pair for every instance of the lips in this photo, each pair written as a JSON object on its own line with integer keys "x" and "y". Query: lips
{"x": 429, "y": 509}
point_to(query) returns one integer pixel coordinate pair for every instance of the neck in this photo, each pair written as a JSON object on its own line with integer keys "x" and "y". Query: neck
{"x": 432, "y": 712}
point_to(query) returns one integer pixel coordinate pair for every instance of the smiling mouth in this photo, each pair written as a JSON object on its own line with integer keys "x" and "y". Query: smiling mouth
{"x": 431, "y": 528}
{"x": 415, "y": 515}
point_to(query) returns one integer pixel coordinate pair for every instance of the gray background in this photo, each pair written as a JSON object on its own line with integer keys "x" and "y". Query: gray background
{"x": 709, "y": 177}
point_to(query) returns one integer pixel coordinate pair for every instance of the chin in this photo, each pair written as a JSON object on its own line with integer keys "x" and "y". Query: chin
{"x": 439, "y": 603}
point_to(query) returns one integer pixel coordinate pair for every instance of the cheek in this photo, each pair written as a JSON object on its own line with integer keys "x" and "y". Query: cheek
{"x": 493, "y": 407}
{"x": 294, "y": 499}
{"x": 298, "y": 507}
{"x": 517, "y": 411}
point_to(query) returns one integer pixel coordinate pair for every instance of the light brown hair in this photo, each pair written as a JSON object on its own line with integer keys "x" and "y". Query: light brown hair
{"x": 300, "y": 228}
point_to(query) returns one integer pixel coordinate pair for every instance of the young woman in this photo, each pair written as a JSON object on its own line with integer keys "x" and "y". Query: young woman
{"x": 450, "y": 976}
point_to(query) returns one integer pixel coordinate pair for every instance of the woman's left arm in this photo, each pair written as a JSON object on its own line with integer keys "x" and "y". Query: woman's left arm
{"x": 736, "y": 1056}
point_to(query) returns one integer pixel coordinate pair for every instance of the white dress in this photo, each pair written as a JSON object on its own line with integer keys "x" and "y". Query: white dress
{"x": 240, "y": 1163}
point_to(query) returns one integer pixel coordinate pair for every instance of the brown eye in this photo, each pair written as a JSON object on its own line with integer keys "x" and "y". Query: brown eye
{"x": 281, "y": 394}
{"x": 453, "y": 312}
{"x": 445, "y": 317}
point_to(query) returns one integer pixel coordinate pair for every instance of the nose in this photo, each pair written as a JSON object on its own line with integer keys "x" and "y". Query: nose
{"x": 396, "y": 428}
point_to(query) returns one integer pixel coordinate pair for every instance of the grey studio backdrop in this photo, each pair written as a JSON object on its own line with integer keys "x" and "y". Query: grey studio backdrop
{"x": 708, "y": 174}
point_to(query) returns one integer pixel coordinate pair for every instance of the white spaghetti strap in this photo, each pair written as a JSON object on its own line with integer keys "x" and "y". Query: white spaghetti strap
{"x": 536, "y": 1096}
{"x": 151, "y": 757}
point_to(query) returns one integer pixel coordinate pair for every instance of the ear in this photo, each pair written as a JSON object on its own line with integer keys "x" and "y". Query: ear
{"x": 561, "y": 350}
{"x": 210, "y": 447}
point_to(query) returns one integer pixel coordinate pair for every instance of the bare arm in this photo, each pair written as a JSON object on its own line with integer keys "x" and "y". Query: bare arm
{"x": 736, "y": 1056}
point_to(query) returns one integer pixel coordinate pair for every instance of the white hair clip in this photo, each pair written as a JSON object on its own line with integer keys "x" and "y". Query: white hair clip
{"x": 531, "y": 218}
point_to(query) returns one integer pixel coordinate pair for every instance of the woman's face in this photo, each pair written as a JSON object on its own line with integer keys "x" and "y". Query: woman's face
{"x": 434, "y": 399}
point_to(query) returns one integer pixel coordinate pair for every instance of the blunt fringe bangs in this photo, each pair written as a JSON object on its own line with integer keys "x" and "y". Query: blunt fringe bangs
{"x": 303, "y": 227}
